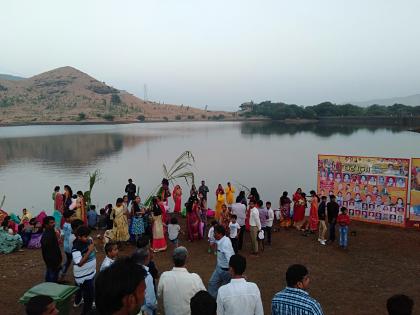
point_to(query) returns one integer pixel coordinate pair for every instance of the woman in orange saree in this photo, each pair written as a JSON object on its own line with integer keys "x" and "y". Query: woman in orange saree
{"x": 313, "y": 214}
{"x": 285, "y": 219}
{"x": 176, "y": 195}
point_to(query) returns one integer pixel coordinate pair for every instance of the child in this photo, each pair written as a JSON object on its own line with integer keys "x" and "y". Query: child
{"x": 173, "y": 231}
{"x": 233, "y": 234}
{"x": 212, "y": 240}
{"x": 111, "y": 252}
{"x": 343, "y": 221}
{"x": 269, "y": 222}
{"x": 84, "y": 268}
{"x": 92, "y": 217}
{"x": 66, "y": 233}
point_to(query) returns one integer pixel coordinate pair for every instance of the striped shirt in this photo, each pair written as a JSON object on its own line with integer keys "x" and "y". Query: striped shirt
{"x": 88, "y": 270}
{"x": 294, "y": 301}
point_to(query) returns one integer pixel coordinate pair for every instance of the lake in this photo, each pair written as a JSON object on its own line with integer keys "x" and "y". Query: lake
{"x": 270, "y": 156}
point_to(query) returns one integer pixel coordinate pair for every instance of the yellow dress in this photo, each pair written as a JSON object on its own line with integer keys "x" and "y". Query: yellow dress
{"x": 230, "y": 194}
{"x": 120, "y": 228}
{"x": 219, "y": 202}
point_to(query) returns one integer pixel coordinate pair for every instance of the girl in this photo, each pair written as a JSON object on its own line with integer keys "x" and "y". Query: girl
{"x": 58, "y": 207}
{"x": 137, "y": 224}
{"x": 67, "y": 197}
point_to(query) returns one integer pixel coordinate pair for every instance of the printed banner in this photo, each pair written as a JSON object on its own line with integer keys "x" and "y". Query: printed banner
{"x": 373, "y": 189}
{"x": 415, "y": 192}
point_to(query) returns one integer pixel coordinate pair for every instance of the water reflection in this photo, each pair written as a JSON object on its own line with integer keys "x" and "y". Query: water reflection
{"x": 67, "y": 150}
{"x": 319, "y": 129}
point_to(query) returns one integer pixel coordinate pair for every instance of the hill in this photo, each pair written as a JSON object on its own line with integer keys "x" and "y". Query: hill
{"x": 411, "y": 100}
{"x": 66, "y": 95}
{"x": 10, "y": 77}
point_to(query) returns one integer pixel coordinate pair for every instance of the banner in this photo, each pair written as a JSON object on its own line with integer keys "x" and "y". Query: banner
{"x": 373, "y": 189}
{"x": 415, "y": 191}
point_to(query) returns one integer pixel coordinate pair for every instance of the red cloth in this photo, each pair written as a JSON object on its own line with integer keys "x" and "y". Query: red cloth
{"x": 313, "y": 215}
{"x": 343, "y": 219}
{"x": 298, "y": 207}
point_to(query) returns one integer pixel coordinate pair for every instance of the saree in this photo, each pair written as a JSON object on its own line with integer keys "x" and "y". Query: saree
{"x": 120, "y": 228}
{"x": 193, "y": 223}
{"x": 9, "y": 243}
{"x": 298, "y": 208}
{"x": 285, "y": 220}
{"x": 230, "y": 194}
{"x": 81, "y": 209}
{"x": 313, "y": 215}
{"x": 176, "y": 195}
{"x": 225, "y": 219}
{"x": 158, "y": 241}
{"x": 220, "y": 200}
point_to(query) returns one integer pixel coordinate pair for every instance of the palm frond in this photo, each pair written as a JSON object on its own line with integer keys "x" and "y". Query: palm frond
{"x": 243, "y": 187}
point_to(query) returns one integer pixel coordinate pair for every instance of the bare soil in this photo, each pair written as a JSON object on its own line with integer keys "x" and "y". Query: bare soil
{"x": 381, "y": 261}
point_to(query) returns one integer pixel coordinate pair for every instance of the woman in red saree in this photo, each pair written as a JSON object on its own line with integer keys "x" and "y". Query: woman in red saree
{"x": 176, "y": 195}
{"x": 298, "y": 208}
{"x": 313, "y": 214}
{"x": 193, "y": 220}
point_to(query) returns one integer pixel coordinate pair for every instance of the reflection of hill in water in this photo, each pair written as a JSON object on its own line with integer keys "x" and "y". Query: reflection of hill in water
{"x": 319, "y": 129}
{"x": 68, "y": 150}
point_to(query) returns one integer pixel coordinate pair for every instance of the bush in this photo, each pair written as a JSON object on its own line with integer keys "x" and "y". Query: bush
{"x": 141, "y": 118}
{"x": 108, "y": 117}
{"x": 178, "y": 117}
{"x": 82, "y": 116}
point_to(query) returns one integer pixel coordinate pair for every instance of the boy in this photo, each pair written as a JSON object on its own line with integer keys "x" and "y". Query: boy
{"x": 67, "y": 234}
{"x": 92, "y": 217}
{"x": 102, "y": 219}
{"x": 212, "y": 240}
{"x": 84, "y": 268}
{"x": 269, "y": 222}
{"x": 233, "y": 234}
{"x": 173, "y": 231}
{"x": 343, "y": 221}
{"x": 111, "y": 252}
{"x": 322, "y": 216}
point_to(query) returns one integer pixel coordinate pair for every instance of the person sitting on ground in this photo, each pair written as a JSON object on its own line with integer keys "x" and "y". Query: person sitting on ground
{"x": 102, "y": 219}
{"x": 120, "y": 288}
{"x": 41, "y": 305}
{"x": 173, "y": 231}
{"x": 178, "y": 286}
{"x": 202, "y": 303}
{"x": 111, "y": 252}
{"x": 142, "y": 256}
{"x": 239, "y": 297}
{"x": 92, "y": 217}
{"x": 399, "y": 304}
{"x": 294, "y": 299}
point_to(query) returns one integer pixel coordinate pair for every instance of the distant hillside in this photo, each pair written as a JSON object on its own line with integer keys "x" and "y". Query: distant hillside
{"x": 412, "y": 100}
{"x": 69, "y": 95}
{"x": 10, "y": 77}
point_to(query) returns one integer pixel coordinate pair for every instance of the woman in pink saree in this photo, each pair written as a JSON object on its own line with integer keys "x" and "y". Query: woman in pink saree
{"x": 193, "y": 219}
{"x": 177, "y": 196}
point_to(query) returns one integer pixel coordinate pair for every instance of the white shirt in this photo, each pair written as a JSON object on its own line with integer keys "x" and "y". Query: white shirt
{"x": 254, "y": 218}
{"x": 240, "y": 210}
{"x": 239, "y": 297}
{"x": 106, "y": 263}
{"x": 224, "y": 252}
{"x": 233, "y": 227}
{"x": 270, "y": 219}
{"x": 177, "y": 287}
{"x": 173, "y": 231}
{"x": 211, "y": 235}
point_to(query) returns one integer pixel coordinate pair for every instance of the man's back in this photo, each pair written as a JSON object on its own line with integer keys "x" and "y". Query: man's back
{"x": 293, "y": 301}
{"x": 239, "y": 297}
{"x": 177, "y": 287}
{"x": 332, "y": 210}
{"x": 239, "y": 210}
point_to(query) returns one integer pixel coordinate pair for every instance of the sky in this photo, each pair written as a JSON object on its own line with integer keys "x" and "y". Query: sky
{"x": 222, "y": 53}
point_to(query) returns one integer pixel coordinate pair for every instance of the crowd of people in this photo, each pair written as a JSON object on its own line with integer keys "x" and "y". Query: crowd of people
{"x": 132, "y": 284}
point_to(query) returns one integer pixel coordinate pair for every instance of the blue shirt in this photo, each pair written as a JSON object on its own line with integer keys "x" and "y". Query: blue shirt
{"x": 293, "y": 301}
{"x": 66, "y": 234}
{"x": 92, "y": 217}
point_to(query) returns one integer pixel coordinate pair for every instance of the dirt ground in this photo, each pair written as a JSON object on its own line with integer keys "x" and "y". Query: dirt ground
{"x": 381, "y": 261}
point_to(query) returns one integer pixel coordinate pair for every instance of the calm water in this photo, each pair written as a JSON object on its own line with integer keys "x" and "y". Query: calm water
{"x": 270, "y": 156}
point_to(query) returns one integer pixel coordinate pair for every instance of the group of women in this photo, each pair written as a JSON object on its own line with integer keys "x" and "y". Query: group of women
{"x": 68, "y": 201}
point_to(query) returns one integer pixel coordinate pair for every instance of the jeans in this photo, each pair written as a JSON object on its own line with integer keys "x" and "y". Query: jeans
{"x": 234, "y": 242}
{"x": 67, "y": 264}
{"x": 241, "y": 237}
{"x": 322, "y": 230}
{"x": 52, "y": 275}
{"x": 87, "y": 292}
{"x": 218, "y": 278}
{"x": 332, "y": 230}
{"x": 343, "y": 235}
{"x": 267, "y": 231}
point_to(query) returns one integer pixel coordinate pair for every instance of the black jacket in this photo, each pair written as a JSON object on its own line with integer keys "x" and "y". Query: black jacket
{"x": 51, "y": 252}
{"x": 322, "y": 210}
{"x": 332, "y": 211}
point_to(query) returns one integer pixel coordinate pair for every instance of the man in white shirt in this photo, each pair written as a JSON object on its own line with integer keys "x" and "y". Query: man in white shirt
{"x": 221, "y": 274}
{"x": 269, "y": 222}
{"x": 254, "y": 222}
{"x": 178, "y": 286}
{"x": 239, "y": 209}
{"x": 239, "y": 297}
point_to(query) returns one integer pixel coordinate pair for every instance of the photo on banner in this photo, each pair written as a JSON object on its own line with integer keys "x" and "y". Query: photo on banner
{"x": 373, "y": 189}
{"x": 415, "y": 193}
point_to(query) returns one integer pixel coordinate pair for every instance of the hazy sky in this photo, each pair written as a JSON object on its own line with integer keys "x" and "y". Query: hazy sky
{"x": 222, "y": 52}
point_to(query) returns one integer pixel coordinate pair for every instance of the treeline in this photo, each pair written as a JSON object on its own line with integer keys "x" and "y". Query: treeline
{"x": 326, "y": 109}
